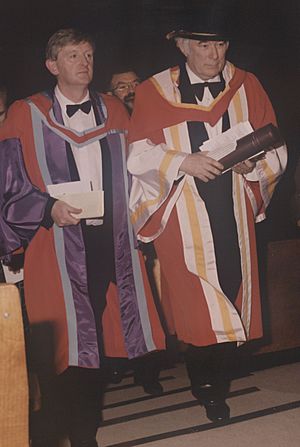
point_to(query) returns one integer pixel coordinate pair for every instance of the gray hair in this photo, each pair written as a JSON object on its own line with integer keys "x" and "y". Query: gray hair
{"x": 183, "y": 44}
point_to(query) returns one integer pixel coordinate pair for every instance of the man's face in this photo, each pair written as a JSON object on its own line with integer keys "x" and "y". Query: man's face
{"x": 2, "y": 111}
{"x": 73, "y": 66}
{"x": 206, "y": 59}
{"x": 123, "y": 86}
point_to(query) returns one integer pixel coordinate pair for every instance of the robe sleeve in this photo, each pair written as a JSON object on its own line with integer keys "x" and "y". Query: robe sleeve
{"x": 22, "y": 204}
{"x": 155, "y": 173}
{"x": 261, "y": 183}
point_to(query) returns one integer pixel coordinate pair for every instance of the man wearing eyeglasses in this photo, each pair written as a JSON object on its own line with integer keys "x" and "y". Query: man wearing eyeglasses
{"x": 123, "y": 86}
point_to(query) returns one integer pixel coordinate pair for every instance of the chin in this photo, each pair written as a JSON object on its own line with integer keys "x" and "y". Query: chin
{"x": 212, "y": 74}
{"x": 85, "y": 78}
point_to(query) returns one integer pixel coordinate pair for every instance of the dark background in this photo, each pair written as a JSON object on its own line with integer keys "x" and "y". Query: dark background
{"x": 131, "y": 33}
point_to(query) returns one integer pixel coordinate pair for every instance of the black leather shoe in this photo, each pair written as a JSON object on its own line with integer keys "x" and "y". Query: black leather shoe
{"x": 217, "y": 411}
{"x": 116, "y": 376}
{"x": 154, "y": 388}
{"x": 203, "y": 393}
{"x": 210, "y": 397}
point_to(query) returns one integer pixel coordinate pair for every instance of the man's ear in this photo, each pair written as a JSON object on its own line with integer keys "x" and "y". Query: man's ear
{"x": 52, "y": 66}
{"x": 110, "y": 93}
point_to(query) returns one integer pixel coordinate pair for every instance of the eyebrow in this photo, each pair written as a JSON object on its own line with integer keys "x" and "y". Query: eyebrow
{"x": 77, "y": 50}
{"x": 128, "y": 82}
{"x": 214, "y": 41}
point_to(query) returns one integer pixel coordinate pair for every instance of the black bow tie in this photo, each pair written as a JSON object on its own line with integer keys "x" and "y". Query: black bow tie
{"x": 214, "y": 87}
{"x": 85, "y": 107}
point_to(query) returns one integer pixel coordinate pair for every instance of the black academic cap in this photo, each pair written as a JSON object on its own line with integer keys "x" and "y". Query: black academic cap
{"x": 207, "y": 20}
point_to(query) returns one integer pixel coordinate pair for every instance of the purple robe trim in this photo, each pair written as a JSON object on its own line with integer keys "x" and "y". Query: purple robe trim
{"x": 85, "y": 326}
{"x": 20, "y": 201}
{"x": 131, "y": 322}
{"x": 75, "y": 260}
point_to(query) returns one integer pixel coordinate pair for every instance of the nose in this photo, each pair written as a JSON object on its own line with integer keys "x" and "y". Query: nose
{"x": 130, "y": 87}
{"x": 84, "y": 60}
{"x": 214, "y": 52}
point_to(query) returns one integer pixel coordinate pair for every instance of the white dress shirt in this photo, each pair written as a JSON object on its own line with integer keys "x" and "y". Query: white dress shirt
{"x": 87, "y": 158}
{"x": 206, "y": 101}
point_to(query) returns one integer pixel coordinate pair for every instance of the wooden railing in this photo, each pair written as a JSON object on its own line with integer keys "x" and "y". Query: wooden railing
{"x": 14, "y": 401}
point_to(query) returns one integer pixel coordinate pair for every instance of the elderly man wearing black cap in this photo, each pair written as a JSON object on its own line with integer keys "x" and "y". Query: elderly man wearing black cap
{"x": 201, "y": 219}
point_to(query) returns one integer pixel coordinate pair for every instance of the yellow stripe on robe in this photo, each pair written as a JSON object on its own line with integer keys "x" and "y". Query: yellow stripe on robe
{"x": 162, "y": 190}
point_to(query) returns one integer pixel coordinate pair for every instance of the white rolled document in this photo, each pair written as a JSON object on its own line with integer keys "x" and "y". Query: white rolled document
{"x": 79, "y": 195}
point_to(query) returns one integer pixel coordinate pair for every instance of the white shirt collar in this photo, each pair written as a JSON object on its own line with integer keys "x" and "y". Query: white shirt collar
{"x": 63, "y": 101}
{"x": 194, "y": 79}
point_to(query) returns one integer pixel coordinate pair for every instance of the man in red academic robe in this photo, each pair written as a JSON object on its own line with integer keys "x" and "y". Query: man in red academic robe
{"x": 202, "y": 220}
{"x": 74, "y": 267}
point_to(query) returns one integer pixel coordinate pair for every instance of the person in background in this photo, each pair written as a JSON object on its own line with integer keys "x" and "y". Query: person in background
{"x": 3, "y": 104}
{"x": 15, "y": 263}
{"x": 11, "y": 271}
{"x": 295, "y": 199}
{"x": 202, "y": 220}
{"x": 3, "y": 110}
{"x": 123, "y": 85}
{"x": 145, "y": 370}
{"x": 74, "y": 267}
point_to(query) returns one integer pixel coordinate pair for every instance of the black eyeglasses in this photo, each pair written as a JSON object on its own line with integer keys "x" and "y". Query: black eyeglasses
{"x": 121, "y": 87}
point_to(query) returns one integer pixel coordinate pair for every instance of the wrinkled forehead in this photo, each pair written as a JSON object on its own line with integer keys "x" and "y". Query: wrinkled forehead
{"x": 193, "y": 42}
{"x": 120, "y": 78}
{"x": 76, "y": 46}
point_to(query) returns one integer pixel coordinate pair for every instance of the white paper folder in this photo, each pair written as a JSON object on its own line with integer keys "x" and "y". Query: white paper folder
{"x": 76, "y": 194}
{"x": 12, "y": 277}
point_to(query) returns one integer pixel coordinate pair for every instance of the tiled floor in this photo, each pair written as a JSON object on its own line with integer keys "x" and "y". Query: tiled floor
{"x": 265, "y": 411}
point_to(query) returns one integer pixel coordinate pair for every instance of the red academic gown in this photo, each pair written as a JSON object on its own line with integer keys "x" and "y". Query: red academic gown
{"x": 186, "y": 296}
{"x": 55, "y": 272}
